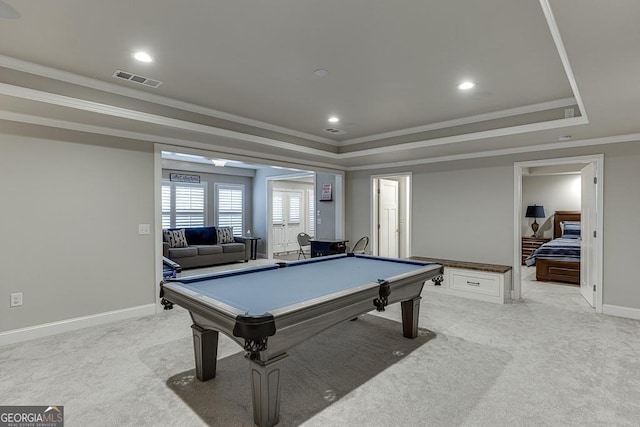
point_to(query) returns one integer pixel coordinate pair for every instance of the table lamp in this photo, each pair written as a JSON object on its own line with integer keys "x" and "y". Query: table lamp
{"x": 535, "y": 212}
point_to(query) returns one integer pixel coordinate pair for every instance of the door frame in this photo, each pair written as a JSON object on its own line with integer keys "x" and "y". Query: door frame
{"x": 373, "y": 211}
{"x": 269, "y": 219}
{"x": 518, "y": 167}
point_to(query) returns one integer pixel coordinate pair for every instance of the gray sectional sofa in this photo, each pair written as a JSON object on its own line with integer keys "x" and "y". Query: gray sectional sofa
{"x": 203, "y": 249}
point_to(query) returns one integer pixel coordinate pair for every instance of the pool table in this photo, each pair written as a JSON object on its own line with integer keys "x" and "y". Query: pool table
{"x": 269, "y": 309}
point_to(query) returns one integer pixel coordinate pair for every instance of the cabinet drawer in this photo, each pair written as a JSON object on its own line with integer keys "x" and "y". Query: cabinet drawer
{"x": 475, "y": 282}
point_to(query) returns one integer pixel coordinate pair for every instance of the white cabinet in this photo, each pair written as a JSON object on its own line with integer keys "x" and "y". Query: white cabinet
{"x": 472, "y": 280}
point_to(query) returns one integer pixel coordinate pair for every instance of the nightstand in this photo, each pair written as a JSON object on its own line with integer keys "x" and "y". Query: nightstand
{"x": 530, "y": 244}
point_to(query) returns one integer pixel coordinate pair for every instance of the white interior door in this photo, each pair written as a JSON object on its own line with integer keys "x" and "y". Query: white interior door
{"x": 588, "y": 247}
{"x": 288, "y": 219}
{"x": 388, "y": 218}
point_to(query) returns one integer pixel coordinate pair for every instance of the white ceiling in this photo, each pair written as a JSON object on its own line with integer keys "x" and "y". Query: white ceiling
{"x": 238, "y": 77}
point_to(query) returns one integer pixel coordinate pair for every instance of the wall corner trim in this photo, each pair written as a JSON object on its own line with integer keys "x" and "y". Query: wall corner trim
{"x": 67, "y": 325}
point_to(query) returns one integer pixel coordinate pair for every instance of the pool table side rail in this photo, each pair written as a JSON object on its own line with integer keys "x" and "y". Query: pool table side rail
{"x": 219, "y": 275}
{"x": 363, "y": 256}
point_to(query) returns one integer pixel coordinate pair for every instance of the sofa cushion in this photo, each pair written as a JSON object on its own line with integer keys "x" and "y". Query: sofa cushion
{"x": 201, "y": 236}
{"x": 182, "y": 252}
{"x": 208, "y": 249}
{"x": 232, "y": 247}
{"x": 225, "y": 235}
{"x": 175, "y": 238}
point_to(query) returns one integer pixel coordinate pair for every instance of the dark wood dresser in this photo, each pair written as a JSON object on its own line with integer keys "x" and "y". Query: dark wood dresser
{"x": 530, "y": 244}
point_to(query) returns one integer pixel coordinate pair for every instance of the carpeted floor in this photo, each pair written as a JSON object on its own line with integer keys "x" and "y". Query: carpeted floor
{"x": 546, "y": 361}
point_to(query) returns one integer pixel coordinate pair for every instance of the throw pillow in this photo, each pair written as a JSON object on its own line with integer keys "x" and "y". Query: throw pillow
{"x": 175, "y": 238}
{"x": 225, "y": 235}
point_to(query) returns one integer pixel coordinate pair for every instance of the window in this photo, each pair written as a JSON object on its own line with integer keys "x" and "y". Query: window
{"x": 294, "y": 207}
{"x": 278, "y": 206}
{"x": 312, "y": 212}
{"x": 230, "y": 207}
{"x": 183, "y": 204}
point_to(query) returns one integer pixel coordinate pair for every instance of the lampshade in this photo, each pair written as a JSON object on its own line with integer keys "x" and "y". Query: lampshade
{"x": 535, "y": 212}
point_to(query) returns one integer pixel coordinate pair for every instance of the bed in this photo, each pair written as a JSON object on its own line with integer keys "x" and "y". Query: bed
{"x": 559, "y": 259}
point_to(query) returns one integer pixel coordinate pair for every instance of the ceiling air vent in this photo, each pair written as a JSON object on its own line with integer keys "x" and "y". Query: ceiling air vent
{"x": 334, "y": 131}
{"x": 146, "y": 81}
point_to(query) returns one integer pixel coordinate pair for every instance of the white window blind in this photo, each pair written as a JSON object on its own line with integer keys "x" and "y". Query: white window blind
{"x": 166, "y": 205}
{"x": 183, "y": 205}
{"x": 294, "y": 208}
{"x": 230, "y": 203}
{"x": 277, "y": 208}
{"x": 312, "y": 212}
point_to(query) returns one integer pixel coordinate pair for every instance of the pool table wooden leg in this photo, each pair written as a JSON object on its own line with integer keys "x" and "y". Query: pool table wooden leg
{"x": 265, "y": 387}
{"x": 205, "y": 348}
{"x": 410, "y": 314}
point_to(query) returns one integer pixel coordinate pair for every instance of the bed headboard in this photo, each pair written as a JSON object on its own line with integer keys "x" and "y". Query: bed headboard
{"x": 563, "y": 216}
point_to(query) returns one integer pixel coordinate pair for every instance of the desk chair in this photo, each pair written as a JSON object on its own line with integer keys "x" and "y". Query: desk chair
{"x": 303, "y": 242}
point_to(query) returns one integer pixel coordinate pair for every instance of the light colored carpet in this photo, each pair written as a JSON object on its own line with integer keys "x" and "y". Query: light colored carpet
{"x": 547, "y": 361}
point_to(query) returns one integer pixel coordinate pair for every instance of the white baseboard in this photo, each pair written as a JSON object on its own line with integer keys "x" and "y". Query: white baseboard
{"x": 616, "y": 310}
{"x": 48, "y": 329}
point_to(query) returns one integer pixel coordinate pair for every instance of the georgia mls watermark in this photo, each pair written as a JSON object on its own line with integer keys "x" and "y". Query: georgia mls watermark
{"x": 31, "y": 416}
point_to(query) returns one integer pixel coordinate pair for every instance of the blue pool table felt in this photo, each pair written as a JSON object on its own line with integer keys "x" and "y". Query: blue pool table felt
{"x": 260, "y": 290}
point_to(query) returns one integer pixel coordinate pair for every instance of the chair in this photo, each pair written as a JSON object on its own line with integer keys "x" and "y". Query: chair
{"x": 360, "y": 245}
{"x": 303, "y": 241}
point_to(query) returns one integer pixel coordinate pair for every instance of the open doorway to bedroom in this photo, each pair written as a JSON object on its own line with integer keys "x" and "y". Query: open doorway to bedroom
{"x": 552, "y": 198}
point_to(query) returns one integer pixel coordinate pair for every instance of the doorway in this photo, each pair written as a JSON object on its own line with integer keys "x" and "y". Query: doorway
{"x": 592, "y": 199}
{"x": 287, "y": 219}
{"x": 390, "y": 213}
{"x": 291, "y": 210}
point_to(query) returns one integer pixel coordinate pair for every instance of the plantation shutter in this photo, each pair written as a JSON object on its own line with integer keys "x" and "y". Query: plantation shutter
{"x": 230, "y": 207}
{"x": 183, "y": 205}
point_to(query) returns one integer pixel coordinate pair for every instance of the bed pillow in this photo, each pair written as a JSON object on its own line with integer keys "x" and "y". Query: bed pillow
{"x": 175, "y": 238}
{"x": 570, "y": 229}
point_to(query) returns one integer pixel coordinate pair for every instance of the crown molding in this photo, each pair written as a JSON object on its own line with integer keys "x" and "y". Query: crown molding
{"x": 493, "y": 133}
{"x": 175, "y": 142}
{"x": 64, "y": 76}
{"x": 96, "y": 107}
{"x": 532, "y": 108}
{"x": 91, "y": 106}
{"x": 634, "y": 137}
{"x": 251, "y": 155}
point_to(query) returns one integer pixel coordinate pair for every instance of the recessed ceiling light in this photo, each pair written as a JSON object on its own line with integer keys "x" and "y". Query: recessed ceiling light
{"x": 219, "y": 163}
{"x": 320, "y": 72}
{"x": 333, "y": 119}
{"x": 142, "y": 56}
{"x": 466, "y": 85}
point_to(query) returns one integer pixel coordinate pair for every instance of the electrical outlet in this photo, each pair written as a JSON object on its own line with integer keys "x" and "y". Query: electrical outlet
{"x": 16, "y": 299}
{"x": 144, "y": 229}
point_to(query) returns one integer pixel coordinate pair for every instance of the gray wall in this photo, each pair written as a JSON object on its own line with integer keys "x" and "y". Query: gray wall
{"x": 70, "y": 215}
{"x": 326, "y": 210}
{"x": 70, "y": 212}
{"x": 554, "y": 193}
{"x": 464, "y": 210}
